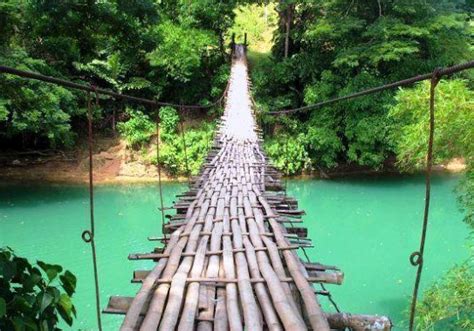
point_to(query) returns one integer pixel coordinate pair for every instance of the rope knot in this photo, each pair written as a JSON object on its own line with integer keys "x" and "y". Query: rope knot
{"x": 436, "y": 76}
{"x": 87, "y": 236}
{"x": 416, "y": 258}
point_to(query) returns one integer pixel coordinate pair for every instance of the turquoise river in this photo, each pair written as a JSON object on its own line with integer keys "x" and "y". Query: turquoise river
{"x": 366, "y": 226}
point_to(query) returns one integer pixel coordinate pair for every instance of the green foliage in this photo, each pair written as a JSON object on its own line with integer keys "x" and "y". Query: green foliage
{"x": 170, "y": 50}
{"x": 454, "y": 114}
{"x": 289, "y": 155}
{"x": 324, "y": 145}
{"x": 36, "y": 111}
{"x": 338, "y": 48}
{"x": 180, "y": 50}
{"x": 449, "y": 303}
{"x": 259, "y": 21}
{"x": 173, "y": 156}
{"x": 138, "y": 129}
{"x": 169, "y": 120}
{"x": 33, "y": 297}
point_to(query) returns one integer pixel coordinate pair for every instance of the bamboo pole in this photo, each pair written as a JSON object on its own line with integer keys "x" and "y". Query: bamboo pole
{"x": 131, "y": 319}
{"x": 315, "y": 315}
{"x": 155, "y": 310}
{"x": 221, "y": 321}
{"x": 192, "y": 296}
{"x": 261, "y": 291}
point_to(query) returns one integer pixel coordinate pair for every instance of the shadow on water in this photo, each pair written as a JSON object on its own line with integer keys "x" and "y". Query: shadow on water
{"x": 30, "y": 196}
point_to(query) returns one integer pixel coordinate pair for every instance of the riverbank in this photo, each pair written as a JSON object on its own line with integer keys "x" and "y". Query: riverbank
{"x": 114, "y": 163}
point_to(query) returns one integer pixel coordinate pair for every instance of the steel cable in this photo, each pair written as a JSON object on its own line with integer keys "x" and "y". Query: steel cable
{"x": 102, "y": 91}
{"x": 158, "y": 168}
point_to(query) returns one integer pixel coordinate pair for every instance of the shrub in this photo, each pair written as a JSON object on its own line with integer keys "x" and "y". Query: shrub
{"x": 289, "y": 155}
{"x": 169, "y": 119}
{"x": 33, "y": 296}
{"x": 454, "y": 116}
{"x": 172, "y": 156}
{"x": 449, "y": 303}
{"x": 138, "y": 129}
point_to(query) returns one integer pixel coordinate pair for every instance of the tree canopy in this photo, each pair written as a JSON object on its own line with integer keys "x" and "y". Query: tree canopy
{"x": 170, "y": 50}
{"x": 339, "y": 47}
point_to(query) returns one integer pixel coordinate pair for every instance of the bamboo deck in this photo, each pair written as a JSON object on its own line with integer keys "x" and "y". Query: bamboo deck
{"x": 230, "y": 262}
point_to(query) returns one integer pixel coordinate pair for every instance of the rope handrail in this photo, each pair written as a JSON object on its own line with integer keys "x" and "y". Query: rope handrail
{"x": 102, "y": 91}
{"x": 400, "y": 83}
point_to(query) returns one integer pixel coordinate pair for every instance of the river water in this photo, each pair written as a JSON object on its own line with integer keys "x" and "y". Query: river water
{"x": 366, "y": 226}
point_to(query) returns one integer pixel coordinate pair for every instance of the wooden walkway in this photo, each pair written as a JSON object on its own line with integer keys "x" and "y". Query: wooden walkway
{"x": 231, "y": 260}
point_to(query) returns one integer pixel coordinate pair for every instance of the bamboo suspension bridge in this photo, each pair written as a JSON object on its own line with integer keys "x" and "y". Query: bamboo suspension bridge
{"x": 230, "y": 262}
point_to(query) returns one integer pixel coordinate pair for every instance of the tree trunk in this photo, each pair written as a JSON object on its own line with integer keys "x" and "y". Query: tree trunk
{"x": 288, "y": 19}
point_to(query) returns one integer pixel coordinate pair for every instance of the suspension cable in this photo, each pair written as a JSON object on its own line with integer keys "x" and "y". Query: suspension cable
{"x": 89, "y": 235}
{"x": 287, "y": 172}
{"x": 308, "y": 260}
{"x": 185, "y": 150}
{"x": 93, "y": 89}
{"x": 400, "y": 83}
{"x": 416, "y": 258}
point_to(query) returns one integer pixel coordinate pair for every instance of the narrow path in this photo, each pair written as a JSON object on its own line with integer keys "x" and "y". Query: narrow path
{"x": 230, "y": 263}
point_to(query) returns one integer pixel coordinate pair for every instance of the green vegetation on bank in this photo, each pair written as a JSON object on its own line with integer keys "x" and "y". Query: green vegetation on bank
{"x": 336, "y": 48}
{"x": 180, "y": 153}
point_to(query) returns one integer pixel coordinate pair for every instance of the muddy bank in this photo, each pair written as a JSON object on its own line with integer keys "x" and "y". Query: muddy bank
{"x": 113, "y": 163}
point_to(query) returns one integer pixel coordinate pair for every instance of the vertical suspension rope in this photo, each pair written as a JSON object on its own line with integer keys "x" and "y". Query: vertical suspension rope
{"x": 308, "y": 260}
{"x": 186, "y": 164}
{"x": 416, "y": 258}
{"x": 89, "y": 235}
{"x": 158, "y": 168}
{"x": 287, "y": 172}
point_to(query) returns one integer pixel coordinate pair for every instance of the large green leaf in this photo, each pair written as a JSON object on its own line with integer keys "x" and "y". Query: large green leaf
{"x": 68, "y": 282}
{"x": 65, "y": 308}
{"x": 45, "y": 300}
{"x": 51, "y": 270}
